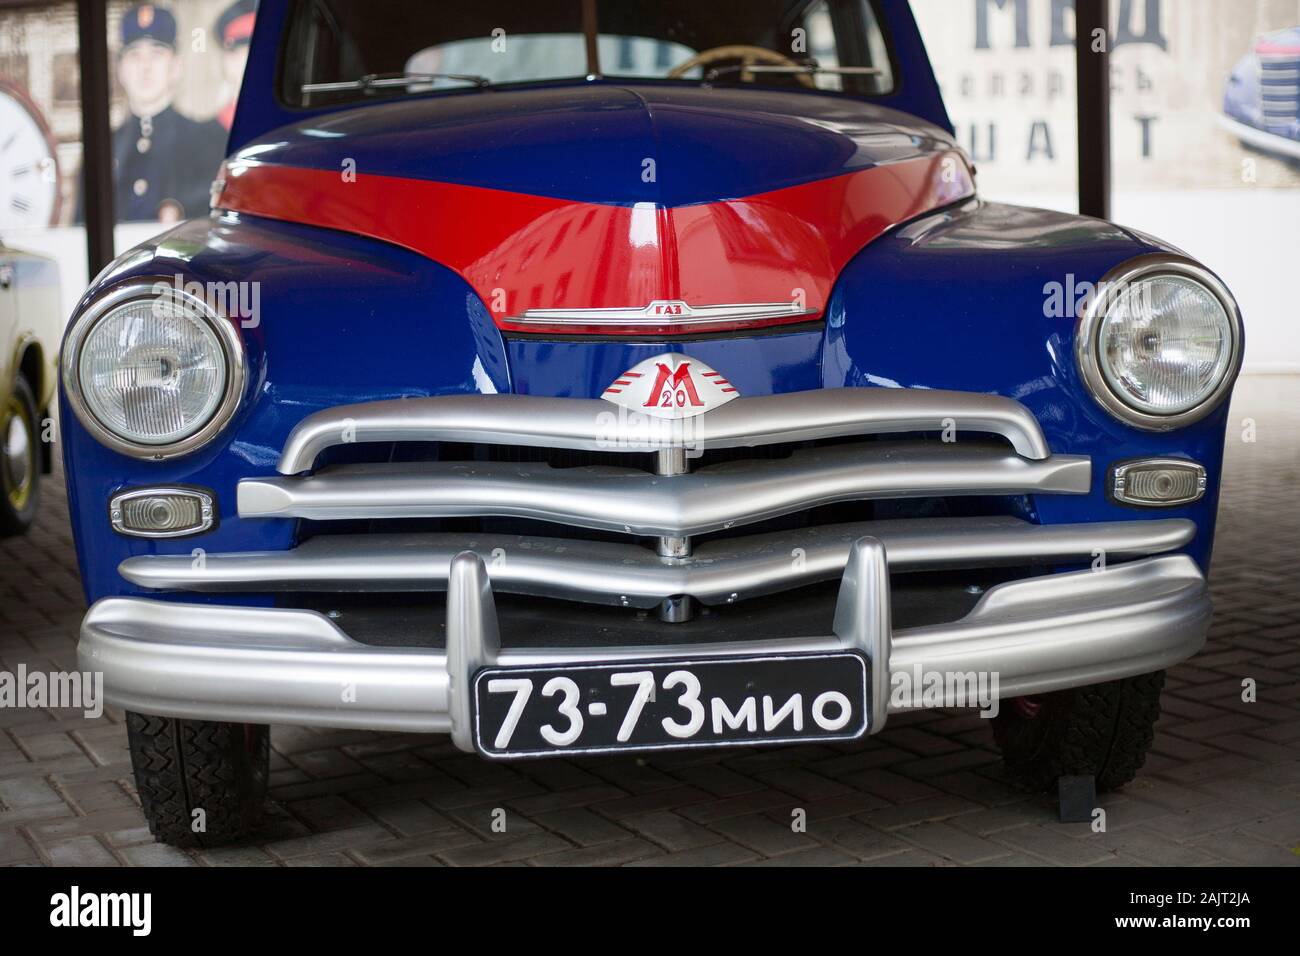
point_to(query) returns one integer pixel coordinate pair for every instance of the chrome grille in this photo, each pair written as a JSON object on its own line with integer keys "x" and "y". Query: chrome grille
{"x": 634, "y": 502}
{"x": 756, "y": 498}
{"x": 595, "y": 425}
{"x": 720, "y": 572}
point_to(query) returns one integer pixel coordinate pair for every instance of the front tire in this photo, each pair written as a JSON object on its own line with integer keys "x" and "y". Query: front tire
{"x": 1103, "y": 730}
{"x": 201, "y": 783}
{"x": 20, "y": 464}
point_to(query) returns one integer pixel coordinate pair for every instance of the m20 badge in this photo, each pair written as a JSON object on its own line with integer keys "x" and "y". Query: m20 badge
{"x": 672, "y": 386}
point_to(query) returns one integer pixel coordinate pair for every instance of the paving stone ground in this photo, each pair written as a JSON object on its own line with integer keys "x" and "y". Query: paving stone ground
{"x": 1222, "y": 784}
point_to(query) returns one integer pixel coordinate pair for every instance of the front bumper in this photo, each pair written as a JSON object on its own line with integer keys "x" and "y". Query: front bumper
{"x": 292, "y": 666}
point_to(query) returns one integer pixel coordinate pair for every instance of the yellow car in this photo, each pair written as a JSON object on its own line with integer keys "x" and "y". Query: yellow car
{"x": 30, "y": 324}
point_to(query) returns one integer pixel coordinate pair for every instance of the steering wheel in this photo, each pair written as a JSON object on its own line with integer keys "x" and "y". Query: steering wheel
{"x": 746, "y": 54}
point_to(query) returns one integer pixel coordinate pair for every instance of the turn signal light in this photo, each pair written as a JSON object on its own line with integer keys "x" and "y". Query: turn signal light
{"x": 162, "y": 512}
{"x": 1158, "y": 482}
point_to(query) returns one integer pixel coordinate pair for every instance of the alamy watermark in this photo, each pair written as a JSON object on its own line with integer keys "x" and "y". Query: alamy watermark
{"x": 238, "y": 301}
{"x": 621, "y": 429}
{"x": 1072, "y": 298}
{"x": 74, "y": 909}
{"x": 920, "y": 688}
{"x": 83, "y": 690}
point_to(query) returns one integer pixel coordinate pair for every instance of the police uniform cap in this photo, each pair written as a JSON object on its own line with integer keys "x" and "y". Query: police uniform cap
{"x": 235, "y": 25}
{"x": 147, "y": 21}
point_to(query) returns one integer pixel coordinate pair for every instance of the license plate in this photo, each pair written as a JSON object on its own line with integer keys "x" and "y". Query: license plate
{"x": 662, "y": 705}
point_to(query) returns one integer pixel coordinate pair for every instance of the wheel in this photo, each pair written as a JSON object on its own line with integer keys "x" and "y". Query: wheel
{"x": 20, "y": 466}
{"x": 1104, "y": 730}
{"x": 201, "y": 783}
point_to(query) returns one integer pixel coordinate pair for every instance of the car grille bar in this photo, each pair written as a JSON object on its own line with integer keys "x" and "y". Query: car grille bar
{"x": 597, "y": 425}
{"x": 631, "y": 501}
{"x": 718, "y": 572}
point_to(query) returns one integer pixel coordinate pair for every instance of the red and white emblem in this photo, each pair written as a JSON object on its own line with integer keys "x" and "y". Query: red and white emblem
{"x": 671, "y": 386}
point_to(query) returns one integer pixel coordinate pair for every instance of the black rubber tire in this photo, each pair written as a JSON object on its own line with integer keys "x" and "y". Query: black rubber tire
{"x": 14, "y": 521}
{"x": 1104, "y": 730}
{"x": 186, "y": 765}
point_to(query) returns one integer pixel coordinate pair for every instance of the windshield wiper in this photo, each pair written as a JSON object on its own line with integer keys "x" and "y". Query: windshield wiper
{"x": 385, "y": 81}
{"x": 810, "y": 67}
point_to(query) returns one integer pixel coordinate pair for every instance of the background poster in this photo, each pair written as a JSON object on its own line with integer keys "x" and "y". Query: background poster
{"x": 1007, "y": 72}
{"x": 40, "y": 98}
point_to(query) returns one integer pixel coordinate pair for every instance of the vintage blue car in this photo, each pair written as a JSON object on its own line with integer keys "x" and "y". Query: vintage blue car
{"x": 591, "y": 376}
{"x": 1261, "y": 103}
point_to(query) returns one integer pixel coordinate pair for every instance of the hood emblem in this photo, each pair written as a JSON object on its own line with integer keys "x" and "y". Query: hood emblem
{"x": 671, "y": 385}
{"x": 665, "y": 312}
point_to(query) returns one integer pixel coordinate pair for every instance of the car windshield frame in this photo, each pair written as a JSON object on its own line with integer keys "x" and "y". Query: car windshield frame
{"x": 795, "y": 11}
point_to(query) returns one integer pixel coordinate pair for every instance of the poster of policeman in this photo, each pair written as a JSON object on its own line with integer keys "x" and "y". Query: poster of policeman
{"x": 164, "y": 159}
{"x": 175, "y": 71}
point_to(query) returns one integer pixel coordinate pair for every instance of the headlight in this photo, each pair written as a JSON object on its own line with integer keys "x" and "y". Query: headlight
{"x": 1159, "y": 345}
{"x": 152, "y": 371}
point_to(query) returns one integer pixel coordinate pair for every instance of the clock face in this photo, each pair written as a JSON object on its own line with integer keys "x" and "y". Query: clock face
{"x": 29, "y": 171}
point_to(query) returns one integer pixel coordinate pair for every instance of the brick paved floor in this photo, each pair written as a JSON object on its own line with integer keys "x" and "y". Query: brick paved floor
{"x": 1221, "y": 786}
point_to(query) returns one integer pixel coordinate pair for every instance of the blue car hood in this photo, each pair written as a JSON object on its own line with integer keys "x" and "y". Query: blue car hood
{"x": 667, "y": 144}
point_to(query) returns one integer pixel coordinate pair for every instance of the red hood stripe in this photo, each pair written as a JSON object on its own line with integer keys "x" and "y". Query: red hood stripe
{"x": 520, "y": 251}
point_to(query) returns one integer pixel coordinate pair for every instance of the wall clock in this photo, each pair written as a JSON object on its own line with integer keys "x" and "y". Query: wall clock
{"x": 29, "y": 165}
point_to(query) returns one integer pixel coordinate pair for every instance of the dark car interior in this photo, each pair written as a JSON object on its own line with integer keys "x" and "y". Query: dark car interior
{"x": 341, "y": 40}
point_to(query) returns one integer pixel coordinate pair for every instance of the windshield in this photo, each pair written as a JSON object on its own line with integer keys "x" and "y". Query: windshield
{"x": 338, "y": 51}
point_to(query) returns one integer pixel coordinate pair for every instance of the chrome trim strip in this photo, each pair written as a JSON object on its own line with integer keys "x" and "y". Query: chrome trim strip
{"x": 212, "y": 662}
{"x": 645, "y": 316}
{"x": 236, "y": 369}
{"x": 637, "y": 502}
{"x": 629, "y": 575}
{"x": 596, "y": 425}
{"x": 1094, "y": 310}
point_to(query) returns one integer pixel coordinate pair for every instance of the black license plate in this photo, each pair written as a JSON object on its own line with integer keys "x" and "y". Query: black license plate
{"x": 661, "y": 705}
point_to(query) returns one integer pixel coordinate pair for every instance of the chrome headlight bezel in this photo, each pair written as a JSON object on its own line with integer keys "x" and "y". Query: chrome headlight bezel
{"x": 1087, "y": 344}
{"x": 232, "y": 350}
